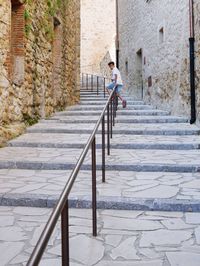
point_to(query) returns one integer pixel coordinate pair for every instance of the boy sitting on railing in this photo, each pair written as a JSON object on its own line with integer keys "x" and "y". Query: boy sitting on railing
{"x": 116, "y": 83}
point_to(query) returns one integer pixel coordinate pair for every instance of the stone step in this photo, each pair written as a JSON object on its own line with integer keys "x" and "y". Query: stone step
{"x": 133, "y": 191}
{"x": 101, "y": 98}
{"x": 119, "y": 119}
{"x": 121, "y": 160}
{"x": 64, "y": 141}
{"x": 102, "y": 103}
{"x": 95, "y": 108}
{"x": 173, "y": 129}
{"x": 120, "y": 112}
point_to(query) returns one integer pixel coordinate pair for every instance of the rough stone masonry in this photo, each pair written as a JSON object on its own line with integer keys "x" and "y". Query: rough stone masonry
{"x": 154, "y": 52}
{"x": 39, "y": 58}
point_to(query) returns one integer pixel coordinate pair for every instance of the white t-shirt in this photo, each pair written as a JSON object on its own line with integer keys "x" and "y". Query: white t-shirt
{"x": 115, "y": 71}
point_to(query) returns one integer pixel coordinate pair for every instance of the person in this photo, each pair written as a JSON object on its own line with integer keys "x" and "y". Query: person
{"x": 116, "y": 83}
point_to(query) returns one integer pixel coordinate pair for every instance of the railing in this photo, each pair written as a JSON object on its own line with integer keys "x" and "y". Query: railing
{"x": 88, "y": 80}
{"x": 62, "y": 207}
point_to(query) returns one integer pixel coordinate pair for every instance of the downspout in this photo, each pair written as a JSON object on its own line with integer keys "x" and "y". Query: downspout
{"x": 117, "y": 33}
{"x": 192, "y": 63}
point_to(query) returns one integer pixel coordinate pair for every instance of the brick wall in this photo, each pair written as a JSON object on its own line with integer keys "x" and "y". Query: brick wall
{"x": 39, "y": 71}
{"x": 164, "y": 59}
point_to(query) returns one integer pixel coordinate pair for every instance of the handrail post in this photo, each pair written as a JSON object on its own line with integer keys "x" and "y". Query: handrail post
{"x": 111, "y": 117}
{"x": 92, "y": 82}
{"x": 108, "y": 129}
{"x": 114, "y": 108}
{"x": 94, "y": 188}
{"x": 87, "y": 81}
{"x": 116, "y": 99}
{"x": 97, "y": 85}
{"x": 104, "y": 90}
{"x": 65, "y": 235}
{"x": 103, "y": 150}
{"x": 82, "y": 80}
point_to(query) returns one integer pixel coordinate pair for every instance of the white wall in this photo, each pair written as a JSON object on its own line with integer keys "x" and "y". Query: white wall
{"x": 98, "y": 31}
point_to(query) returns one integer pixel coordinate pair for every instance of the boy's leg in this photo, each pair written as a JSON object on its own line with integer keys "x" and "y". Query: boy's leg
{"x": 120, "y": 97}
{"x": 110, "y": 87}
{"x": 118, "y": 90}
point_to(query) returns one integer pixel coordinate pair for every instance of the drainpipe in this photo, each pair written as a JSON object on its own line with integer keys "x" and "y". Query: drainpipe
{"x": 117, "y": 33}
{"x": 192, "y": 63}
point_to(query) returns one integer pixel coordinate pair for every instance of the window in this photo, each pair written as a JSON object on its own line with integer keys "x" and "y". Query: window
{"x": 161, "y": 35}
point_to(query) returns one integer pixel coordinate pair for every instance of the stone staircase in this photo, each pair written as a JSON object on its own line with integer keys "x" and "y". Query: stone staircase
{"x": 154, "y": 162}
{"x": 153, "y": 171}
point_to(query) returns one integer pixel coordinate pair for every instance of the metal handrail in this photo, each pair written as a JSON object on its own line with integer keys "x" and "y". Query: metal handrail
{"x": 62, "y": 207}
{"x": 86, "y": 82}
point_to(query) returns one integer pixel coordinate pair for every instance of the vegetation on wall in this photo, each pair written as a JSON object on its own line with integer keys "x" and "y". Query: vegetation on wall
{"x": 53, "y": 7}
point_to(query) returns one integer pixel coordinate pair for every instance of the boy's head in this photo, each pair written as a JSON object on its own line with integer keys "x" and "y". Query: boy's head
{"x": 111, "y": 65}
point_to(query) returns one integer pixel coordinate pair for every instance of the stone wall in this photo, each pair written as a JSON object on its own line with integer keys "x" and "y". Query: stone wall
{"x": 98, "y": 31}
{"x": 154, "y": 51}
{"x": 39, "y": 58}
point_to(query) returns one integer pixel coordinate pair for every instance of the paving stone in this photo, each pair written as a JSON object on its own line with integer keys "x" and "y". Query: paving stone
{"x": 128, "y": 224}
{"x": 9, "y": 250}
{"x": 192, "y": 218}
{"x": 36, "y": 235}
{"x": 50, "y": 262}
{"x": 12, "y": 233}
{"x": 166, "y": 214}
{"x": 126, "y": 250}
{"x": 156, "y": 192}
{"x": 197, "y": 235}
{"x": 164, "y": 237}
{"x": 6, "y": 221}
{"x": 113, "y": 240}
{"x": 183, "y": 258}
{"x": 81, "y": 248}
{"x": 19, "y": 259}
{"x": 126, "y": 263}
{"x": 176, "y": 224}
{"x": 150, "y": 253}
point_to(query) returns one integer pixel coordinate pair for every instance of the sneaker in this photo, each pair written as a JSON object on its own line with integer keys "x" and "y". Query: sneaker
{"x": 124, "y": 104}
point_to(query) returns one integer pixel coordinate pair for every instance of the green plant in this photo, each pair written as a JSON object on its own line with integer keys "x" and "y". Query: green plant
{"x": 27, "y": 18}
{"x": 53, "y": 6}
{"x": 29, "y": 121}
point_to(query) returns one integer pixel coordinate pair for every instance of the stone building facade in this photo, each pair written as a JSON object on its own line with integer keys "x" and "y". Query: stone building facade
{"x": 39, "y": 58}
{"x": 154, "y": 51}
{"x": 98, "y": 31}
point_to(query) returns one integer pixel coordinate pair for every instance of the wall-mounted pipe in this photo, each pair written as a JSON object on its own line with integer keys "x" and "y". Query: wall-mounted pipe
{"x": 192, "y": 63}
{"x": 117, "y": 33}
